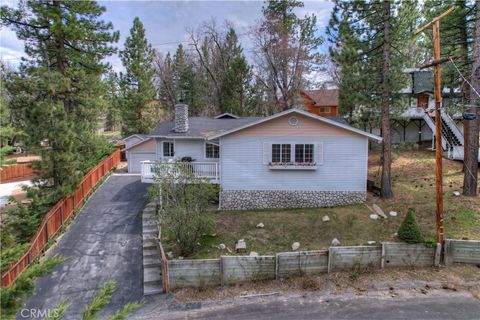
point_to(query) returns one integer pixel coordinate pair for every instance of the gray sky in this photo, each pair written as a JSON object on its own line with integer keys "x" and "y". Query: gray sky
{"x": 167, "y": 22}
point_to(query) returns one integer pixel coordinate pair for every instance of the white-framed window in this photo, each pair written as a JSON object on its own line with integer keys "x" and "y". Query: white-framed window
{"x": 304, "y": 153}
{"x": 212, "y": 150}
{"x": 281, "y": 153}
{"x": 168, "y": 149}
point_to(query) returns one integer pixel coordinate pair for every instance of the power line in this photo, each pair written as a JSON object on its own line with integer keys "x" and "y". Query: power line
{"x": 465, "y": 79}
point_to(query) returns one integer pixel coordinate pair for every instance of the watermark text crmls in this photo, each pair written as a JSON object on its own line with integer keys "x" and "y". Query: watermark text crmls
{"x": 38, "y": 313}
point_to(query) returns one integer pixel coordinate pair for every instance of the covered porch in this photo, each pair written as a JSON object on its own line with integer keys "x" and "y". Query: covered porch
{"x": 200, "y": 170}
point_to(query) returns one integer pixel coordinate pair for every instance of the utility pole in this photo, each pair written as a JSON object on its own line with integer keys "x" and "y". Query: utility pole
{"x": 435, "y": 24}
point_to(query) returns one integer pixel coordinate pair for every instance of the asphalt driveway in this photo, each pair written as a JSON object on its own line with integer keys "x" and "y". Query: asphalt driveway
{"x": 103, "y": 243}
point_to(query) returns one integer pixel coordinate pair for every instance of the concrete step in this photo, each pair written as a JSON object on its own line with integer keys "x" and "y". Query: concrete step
{"x": 151, "y": 262}
{"x": 149, "y": 236}
{"x": 148, "y": 223}
{"x": 152, "y": 288}
{"x": 149, "y": 229}
{"x": 152, "y": 275}
{"x": 150, "y": 253}
{"x": 148, "y": 216}
{"x": 149, "y": 244}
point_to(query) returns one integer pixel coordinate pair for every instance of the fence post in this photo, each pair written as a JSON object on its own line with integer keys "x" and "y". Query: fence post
{"x": 46, "y": 229}
{"x": 448, "y": 252}
{"x": 62, "y": 209}
{"x": 329, "y": 269}
{"x": 29, "y": 256}
{"x": 276, "y": 266}
{"x": 382, "y": 261}
{"x": 222, "y": 272}
{"x": 438, "y": 254}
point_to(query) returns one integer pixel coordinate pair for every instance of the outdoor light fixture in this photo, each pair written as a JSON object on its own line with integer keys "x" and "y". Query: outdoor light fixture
{"x": 469, "y": 116}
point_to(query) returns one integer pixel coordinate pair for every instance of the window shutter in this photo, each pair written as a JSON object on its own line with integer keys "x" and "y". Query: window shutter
{"x": 319, "y": 153}
{"x": 266, "y": 153}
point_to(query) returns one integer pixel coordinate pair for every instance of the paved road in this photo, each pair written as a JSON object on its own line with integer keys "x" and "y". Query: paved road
{"x": 103, "y": 243}
{"x": 434, "y": 306}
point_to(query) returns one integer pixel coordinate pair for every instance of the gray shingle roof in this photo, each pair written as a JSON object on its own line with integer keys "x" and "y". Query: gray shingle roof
{"x": 200, "y": 127}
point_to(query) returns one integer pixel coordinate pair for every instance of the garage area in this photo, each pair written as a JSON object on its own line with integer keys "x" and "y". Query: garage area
{"x": 140, "y": 151}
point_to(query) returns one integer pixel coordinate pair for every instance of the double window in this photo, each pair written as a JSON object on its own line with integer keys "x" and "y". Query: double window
{"x": 212, "y": 150}
{"x": 168, "y": 149}
{"x": 284, "y": 153}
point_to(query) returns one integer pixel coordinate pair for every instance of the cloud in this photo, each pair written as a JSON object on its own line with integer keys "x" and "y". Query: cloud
{"x": 166, "y": 22}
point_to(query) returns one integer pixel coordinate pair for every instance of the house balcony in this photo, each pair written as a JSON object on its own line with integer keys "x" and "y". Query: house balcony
{"x": 200, "y": 170}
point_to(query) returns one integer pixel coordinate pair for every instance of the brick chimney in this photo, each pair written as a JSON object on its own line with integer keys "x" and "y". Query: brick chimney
{"x": 181, "y": 118}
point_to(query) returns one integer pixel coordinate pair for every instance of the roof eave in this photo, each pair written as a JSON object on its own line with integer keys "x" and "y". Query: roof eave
{"x": 307, "y": 114}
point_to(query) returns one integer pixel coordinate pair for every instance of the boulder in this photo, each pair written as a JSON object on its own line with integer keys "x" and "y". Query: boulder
{"x": 260, "y": 225}
{"x": 295, "y": 246}
{"x": 240, "y": 246}
{"x": 326, "y": 218}
{"x": 221, "y": 246}
{"x": 456, "y": 193}
{"x": 335, "y": 242}
{"x": 393, "y": 213}
{"x": 373, "y": 216}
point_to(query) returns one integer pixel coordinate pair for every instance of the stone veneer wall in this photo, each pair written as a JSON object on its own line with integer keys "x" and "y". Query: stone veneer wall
{"x": 264, "y": 199}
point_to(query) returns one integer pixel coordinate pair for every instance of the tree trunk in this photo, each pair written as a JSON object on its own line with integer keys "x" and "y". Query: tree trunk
{"x": 386, "y": 187}
{"x": 470, "y": 177}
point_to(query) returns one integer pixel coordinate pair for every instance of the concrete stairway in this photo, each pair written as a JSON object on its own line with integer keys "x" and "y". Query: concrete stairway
{"x": 152, "y": 270}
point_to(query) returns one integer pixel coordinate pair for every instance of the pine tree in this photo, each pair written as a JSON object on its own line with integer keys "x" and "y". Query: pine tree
{"x": 113, "y": 111}
{"x": 59, "y": 86}
{"x": 409, "y": 230}
{"x": 370, "y": 50}
{"x": 139, "y": 101}
{"x": 287, "y": 49}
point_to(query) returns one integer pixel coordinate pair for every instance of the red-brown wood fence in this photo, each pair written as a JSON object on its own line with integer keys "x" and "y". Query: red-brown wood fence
{"x": 21, "y": 171}
{"x": 58, "y": 215}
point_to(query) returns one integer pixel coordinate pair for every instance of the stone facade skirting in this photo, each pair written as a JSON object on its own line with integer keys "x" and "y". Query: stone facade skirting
{"x": 265, "y": 199}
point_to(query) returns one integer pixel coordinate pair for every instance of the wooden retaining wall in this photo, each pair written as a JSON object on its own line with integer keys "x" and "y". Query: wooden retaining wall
{"x": 193, "y": 273}
{"x": 403, "y": 254}
{"x": 341, "y": 258}
{"x": 463, "y": 251}
{"x": 235, "y": 269}
{"x": 306, "y": 262}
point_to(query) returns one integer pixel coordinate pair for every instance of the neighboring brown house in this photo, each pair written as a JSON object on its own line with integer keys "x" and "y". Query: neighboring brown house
{"x": 323, "y": 102}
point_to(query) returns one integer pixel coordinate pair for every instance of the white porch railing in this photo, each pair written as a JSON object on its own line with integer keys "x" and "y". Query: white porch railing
{"x": 203, "y": 170}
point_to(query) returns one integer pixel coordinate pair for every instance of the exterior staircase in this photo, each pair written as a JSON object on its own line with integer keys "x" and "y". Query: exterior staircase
{"x": 152, "y": 269}
{"x": 452, "y": 138}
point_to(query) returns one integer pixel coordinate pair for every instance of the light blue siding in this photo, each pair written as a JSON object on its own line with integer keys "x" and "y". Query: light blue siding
{"x": 344, "y": 165}
{"x": 194, "y": 148}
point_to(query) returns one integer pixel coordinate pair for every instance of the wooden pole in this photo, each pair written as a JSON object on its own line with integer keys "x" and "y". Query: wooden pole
{"x": 435, "y": 24}
{"x": 438, "y": 132}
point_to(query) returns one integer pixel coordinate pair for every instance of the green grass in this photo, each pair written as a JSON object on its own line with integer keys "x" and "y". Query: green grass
{"x": 413, "y": 178}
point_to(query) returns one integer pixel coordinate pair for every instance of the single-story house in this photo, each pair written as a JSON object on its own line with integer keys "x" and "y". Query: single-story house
{"x": 290, "y": 159}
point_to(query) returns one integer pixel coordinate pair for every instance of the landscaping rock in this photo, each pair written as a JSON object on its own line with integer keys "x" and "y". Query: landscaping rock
{"x": 260, "y": 225}
{"x": 295, "y": 246}
{"x": 374, "y": 216}
{"x": 371, "y": 242}
{"x": 335, "y": 242}
{"x": 326, "y": 218}
{"x": 253, "y": 254}
{"x": 240, "y": 246}
{"x": 456, "y": 193}
{"x": 393, "y": 213}
{"x": 379, "y": 211}
{"x": 221, "y": 246}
